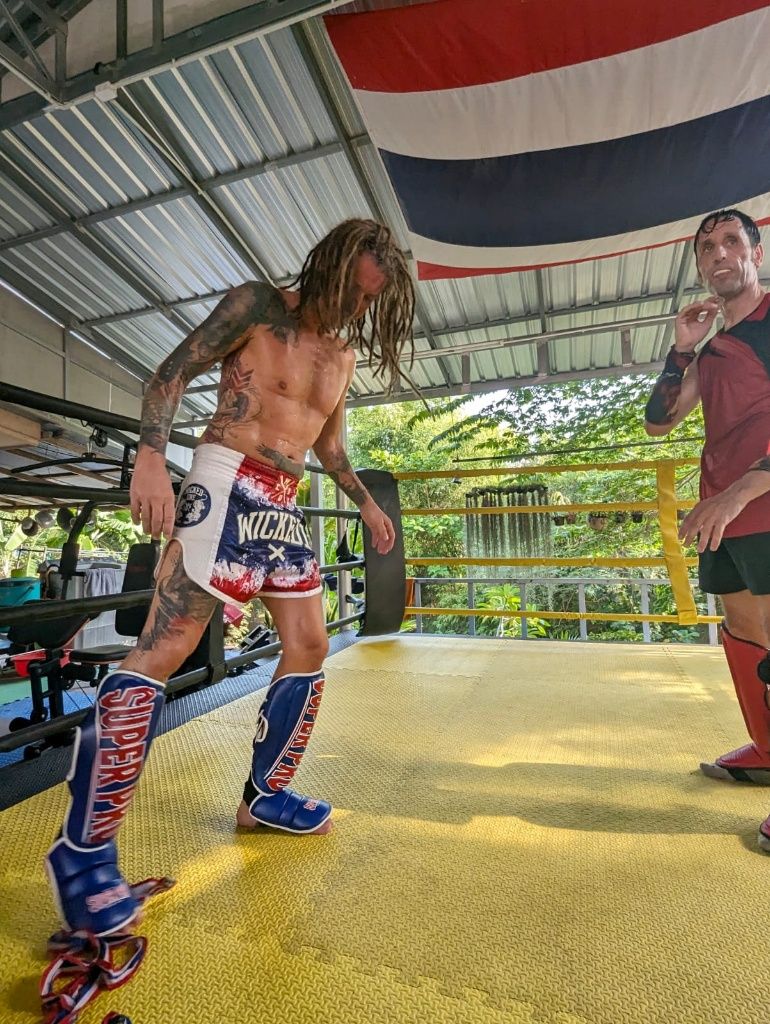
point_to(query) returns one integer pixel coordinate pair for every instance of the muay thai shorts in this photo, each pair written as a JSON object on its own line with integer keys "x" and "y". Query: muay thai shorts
{"x": 241, "y": 533}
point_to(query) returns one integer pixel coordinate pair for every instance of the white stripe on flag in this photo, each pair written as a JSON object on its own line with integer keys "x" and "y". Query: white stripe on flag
{"x": 477, "y": 258}
{"x": 653, "y": 87}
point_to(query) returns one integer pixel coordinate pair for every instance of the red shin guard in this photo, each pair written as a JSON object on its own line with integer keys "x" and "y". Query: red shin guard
{"x": 750, "y": 763}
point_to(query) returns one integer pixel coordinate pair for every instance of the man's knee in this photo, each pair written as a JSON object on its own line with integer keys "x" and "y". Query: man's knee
{"x": 746, "y": 626}
{"x": 312, "y": 645}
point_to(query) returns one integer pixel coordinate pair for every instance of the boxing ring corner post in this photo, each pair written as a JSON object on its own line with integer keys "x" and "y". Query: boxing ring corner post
{"x": 385, "y": 574}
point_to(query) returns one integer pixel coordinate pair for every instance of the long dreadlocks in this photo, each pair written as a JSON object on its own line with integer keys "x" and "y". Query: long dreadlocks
{"x": 326, "y": 280}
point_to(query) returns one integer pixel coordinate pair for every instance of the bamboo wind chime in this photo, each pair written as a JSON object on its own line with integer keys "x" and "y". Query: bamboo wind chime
{"x": 508, "y": 535}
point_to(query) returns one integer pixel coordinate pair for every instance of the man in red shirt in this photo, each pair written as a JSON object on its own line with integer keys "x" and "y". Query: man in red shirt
{"x": 730, "y": 375}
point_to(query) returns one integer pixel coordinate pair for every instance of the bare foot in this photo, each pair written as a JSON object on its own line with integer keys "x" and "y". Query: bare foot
{"x": 244, "y": 820}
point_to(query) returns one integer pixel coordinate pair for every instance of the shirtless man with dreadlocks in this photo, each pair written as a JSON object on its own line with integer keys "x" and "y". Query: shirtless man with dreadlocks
{"x": 237, "y": 535}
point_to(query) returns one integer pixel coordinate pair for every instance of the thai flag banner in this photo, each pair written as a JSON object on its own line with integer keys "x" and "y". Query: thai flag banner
{"x": 527, "y": 133}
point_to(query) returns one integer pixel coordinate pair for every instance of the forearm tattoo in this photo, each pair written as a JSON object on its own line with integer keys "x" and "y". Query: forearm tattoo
{"x": 763, "y": 465}
{"x": 244, "y": 307}
{"x": 339, "y": 469}
{"x": 661, "y": 408}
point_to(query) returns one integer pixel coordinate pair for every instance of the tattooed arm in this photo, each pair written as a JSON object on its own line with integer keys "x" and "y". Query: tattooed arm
{"x": 152, "y": 499}
{"x": 334, "y": 459}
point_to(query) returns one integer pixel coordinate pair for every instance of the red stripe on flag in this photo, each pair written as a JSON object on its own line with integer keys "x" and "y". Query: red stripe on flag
{"x": 454, "y": 43}
{"x": 437, "y": 272}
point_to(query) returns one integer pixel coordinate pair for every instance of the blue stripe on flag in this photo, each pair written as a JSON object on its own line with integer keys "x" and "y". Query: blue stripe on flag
{"x": 591, "y": 191}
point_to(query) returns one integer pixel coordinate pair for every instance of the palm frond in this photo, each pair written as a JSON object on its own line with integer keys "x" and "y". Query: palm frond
{"x": 465, "y": 430}
{"x": 438, "y": 408}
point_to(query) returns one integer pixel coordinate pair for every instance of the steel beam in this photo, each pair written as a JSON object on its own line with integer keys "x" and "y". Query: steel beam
{"x": 543, "y": 360}
{"x": 507, "y": 383}
{"x": 158, "y": 29}
{"x": 26, "y": 43}
{"x": 486, "y": 386}
{"x": 121, "y": 29}
{"x": 50, "y": 18}
{"x": 43, "y": 86}
{"x": 101, "y": 252}
{"x": 64, "y": 318}
{"x": 626, "y": 352}
{"x": 543, "y": 356}
{"x": 208, "y": 37}
{"x": 444, "y": 332}
{"x": 540, "y": 340}
{"x": 60, "y": 58}
{"x": 540, "y": 288}
{"x": 92, "y": 243}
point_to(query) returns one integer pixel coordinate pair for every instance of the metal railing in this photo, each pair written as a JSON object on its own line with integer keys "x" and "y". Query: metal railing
{"x": 524, "y": 587}
{"x": 219, "y": 665}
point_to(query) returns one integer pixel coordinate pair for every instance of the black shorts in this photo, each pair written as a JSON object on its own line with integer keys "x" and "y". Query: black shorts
{"x": 739, "y": 563}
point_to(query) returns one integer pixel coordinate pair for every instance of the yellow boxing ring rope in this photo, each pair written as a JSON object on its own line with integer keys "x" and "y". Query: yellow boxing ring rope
{"x": 667, "y": 506}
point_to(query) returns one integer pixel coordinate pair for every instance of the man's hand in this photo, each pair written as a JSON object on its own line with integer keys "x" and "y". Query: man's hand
{"x": 693, "y": 323}
{"x": 707, "y": 521}
{"x": 381, "y": 528}
{"x": 152, "y": 496}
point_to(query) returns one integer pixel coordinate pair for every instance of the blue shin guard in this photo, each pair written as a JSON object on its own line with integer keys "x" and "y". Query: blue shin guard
{"x": 110, "y": 751}
{"x": 286, "y": 720}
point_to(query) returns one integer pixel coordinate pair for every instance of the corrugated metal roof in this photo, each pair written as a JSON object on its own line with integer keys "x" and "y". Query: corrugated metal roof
{"x": 177, "y": 247}
{"x": 65, "y": 269}
{"x": 147, "y": 339}
{"x": 19, "y": 214}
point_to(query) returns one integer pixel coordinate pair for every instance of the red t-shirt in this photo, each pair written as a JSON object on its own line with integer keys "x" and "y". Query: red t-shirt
{"x": 734, "y": 378}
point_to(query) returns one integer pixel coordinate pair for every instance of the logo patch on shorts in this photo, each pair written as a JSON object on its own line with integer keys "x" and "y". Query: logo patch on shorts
{"x": 194, "y": 505}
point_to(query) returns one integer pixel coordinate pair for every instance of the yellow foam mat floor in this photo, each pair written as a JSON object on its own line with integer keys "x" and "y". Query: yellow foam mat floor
{"x": 521, "y": 835}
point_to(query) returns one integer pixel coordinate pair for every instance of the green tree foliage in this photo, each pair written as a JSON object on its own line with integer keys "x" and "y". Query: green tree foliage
{"x": 506, "y": 598}
{"x": 592, "y": 421}
{"x": 398, "y": 439}
{"x": 108, "y": 531}
{"x": 578, "y": 415}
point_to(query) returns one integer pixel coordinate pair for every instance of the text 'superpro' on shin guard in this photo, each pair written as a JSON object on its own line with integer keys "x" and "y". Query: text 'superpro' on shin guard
{"x": 750, "y": 763}
{"x": 286, "y": 720}
{"x": 110, "y": 750}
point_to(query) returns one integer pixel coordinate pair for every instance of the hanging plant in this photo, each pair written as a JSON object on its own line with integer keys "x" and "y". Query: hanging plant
{"x": 65, "y": 517}
{"x": 620, "y": 517}
{"x": 557, "y": 498}
{"x": 29, "y": 527}
{"x": 637, "y": 517}
{"x": 571, "y": 518}
{"x": 598, "y": 521}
